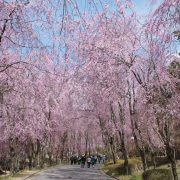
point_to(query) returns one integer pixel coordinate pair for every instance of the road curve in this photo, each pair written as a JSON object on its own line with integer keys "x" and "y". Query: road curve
{"x": 74, "y": 172}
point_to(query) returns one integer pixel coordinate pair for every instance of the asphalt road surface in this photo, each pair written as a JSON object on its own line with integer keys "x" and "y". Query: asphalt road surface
{"x": 74, "y": 172}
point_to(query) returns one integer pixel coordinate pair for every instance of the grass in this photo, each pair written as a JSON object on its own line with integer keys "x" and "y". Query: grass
{"x": 116, "y": 170}
{"x": 20, "y": 175}
{"x": 167, "y": 166}
{"x": 158, "y": 174}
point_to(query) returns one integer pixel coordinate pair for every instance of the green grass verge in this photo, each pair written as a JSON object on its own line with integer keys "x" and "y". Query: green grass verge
{"x": 116, "y": 170}
{"x": 20, "y": 175}
{"x": 158, "y": 174}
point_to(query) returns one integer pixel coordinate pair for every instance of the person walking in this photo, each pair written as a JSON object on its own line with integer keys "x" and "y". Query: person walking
{"x": 72, "y": 160}
{"x": 75, "y": 160}
{"x": 93, "y": 160}
{"x": 83, "y": 161}
{"x": 88, "y": 162}
{"x": 99, "y": 159}
{"x": 79, "y": 160}
{"x": 104, "y": 159}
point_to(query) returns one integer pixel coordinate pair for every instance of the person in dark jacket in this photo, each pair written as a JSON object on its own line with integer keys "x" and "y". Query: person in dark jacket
{"x": 93, "y": 161}
{"x": 72, "y": 160}
{"x": 99, "y": 159}
{"x": 83, "y": 161}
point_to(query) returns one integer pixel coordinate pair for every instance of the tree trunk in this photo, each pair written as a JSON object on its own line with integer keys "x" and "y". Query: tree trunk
{"x": 30, "y": 158}
{"x": 126, "y": 164}
{"x": 140, "y": 149}
{"x": 143, "y": 158}
{"x": 171, "y": 157}
{"x": 86, "y": 144}
{"x": 112, "y": 149}
{"x": 125, "y": 156}
{"x": 122, "y": 137}
{"x": 12, "y": 158}
{"x": 50, "y": 158}
{"x": 125, "y": 153}
{"x": 153, "y": 159}
{"x": 89, "y": 149}
{"x": 113, "y": 155}
{"x": 37, "y": 153}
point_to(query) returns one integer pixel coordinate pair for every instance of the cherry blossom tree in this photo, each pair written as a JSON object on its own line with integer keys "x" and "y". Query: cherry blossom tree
{"x": 73, "y": 80}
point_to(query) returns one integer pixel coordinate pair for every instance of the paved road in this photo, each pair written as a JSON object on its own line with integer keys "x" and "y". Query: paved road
{"x": 74, "y": 172}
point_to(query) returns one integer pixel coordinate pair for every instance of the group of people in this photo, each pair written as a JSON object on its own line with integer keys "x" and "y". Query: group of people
{"x": 90, "y": 160}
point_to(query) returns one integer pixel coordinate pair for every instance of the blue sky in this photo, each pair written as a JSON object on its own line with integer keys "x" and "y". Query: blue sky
{"x": 144, "y": 6}
{"x": 141, "y": 6}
